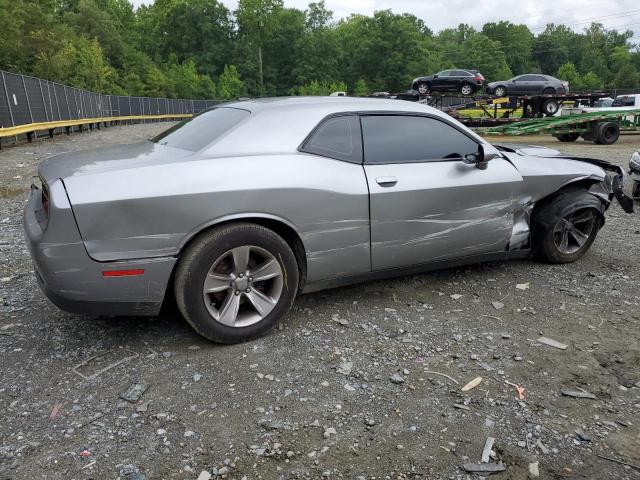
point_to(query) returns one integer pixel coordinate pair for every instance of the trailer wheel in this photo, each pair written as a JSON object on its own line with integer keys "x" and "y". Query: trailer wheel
{"x": 550, "y": 107}
{"x": 568, "y": 137}
{"x": 607, "y": 133}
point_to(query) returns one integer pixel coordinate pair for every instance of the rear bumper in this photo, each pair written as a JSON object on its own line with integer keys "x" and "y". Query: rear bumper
{"x": 73, "y": 281}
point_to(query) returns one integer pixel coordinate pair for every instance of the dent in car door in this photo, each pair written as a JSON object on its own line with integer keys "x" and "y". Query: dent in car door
{"x": 424, "y": 211}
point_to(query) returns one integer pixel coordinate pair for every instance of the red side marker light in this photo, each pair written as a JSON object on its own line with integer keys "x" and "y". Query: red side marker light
{"x": 123, "y": 273}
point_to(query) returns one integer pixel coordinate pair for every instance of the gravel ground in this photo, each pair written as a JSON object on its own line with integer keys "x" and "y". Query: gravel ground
{"x": 358, "y": 382}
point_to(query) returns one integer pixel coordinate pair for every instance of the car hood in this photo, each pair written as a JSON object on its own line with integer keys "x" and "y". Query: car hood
{"x": 120, "y": 157}
{"x": 529, "y": 150}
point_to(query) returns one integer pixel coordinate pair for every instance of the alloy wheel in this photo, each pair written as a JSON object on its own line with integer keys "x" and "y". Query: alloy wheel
{"x": 572, "y": 232}
{"x": 466, "y": 90}
{"x": 243, "y": 286}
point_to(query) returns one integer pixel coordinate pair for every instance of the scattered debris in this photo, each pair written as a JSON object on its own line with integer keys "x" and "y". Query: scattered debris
{"x": 583, "y": 436}
{"x": 134, "y": 392}
{"x": 486, "y": 451}
{"x": 55, "y": 411}
{"x": 519, "y": 390}
{"x": 397, "y": 378}
{"x": 95, "y": 359}
{"x": 204, "y": 475}
{"x": 85, "y": 453}
{"x": 522, "y": 286}
{"x": 637, "y": 467}
{"x": 442, "y": 375}
{"x": 472, "y": 384}
{"x": 460, "y": 406}
{"x": 344, "y": 368}
{"x": 484, "y": 468}
{"x": 578, "y": 394}
{"x": 552, "y": 343}
{"x": 534, "y": 470}
{"x": 498, "y": 305}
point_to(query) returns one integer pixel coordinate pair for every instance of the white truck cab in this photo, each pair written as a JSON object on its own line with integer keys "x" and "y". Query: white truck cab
{"x": 621, "y": 102}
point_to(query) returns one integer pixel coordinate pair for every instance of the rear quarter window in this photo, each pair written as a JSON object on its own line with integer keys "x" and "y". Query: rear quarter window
{"x": 336, "y": 137}
{"x": 200, "y": 130}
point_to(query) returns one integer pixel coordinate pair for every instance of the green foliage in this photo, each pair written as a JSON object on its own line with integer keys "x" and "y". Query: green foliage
{"x": 360, "y": 88}
{"x": 230, "y": 85}
{"x": 322, "y": 88}
{"x": 199, "y": 49}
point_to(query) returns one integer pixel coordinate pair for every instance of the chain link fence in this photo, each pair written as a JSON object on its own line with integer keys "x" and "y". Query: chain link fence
{"x": 25, "y": 100}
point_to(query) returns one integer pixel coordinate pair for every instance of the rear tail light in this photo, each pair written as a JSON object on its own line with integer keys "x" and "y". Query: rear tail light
{"x": 479, "y": 77}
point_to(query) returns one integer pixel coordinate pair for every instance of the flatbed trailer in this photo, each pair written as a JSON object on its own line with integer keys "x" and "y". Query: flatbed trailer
{"x": 602, "y": 128}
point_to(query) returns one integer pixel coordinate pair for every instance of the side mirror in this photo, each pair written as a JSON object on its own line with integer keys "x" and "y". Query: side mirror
{"x": 481, "y": 159}
{"x": 435, "y": 76}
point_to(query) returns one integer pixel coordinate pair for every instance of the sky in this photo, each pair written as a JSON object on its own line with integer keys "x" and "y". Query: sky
{"x": 440, "y": 14}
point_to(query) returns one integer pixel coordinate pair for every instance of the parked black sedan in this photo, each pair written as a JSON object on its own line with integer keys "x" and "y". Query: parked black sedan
{"x": 467, "y": 82}
{"x": 528, "y": 84}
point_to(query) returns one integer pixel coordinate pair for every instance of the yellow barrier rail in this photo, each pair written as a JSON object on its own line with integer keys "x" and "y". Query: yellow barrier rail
{"x": 29, "y": 128}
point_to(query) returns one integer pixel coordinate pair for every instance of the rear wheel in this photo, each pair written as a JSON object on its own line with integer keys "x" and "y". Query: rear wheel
{"x": 235, "y": 283}
{"x": 607, "y": 133}
{"x": 466, "y": 89}
{"x": 549, "y": 91}
{"x": 565, "y": 226}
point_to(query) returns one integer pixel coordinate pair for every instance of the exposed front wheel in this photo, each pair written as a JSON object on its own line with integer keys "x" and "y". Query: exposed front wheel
{"x": 565, "y": 227}
{"x": 236, "y": 282}
{"x": 466, "y": 89}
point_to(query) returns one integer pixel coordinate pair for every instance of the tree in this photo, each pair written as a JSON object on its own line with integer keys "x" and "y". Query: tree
{"x": 627, "y": 77}
{"x": 568, "y": 73}
{"x": 591, "y": 82}
{"x": 256, "y": 24}
{"x": 360, "y": 88}
{"x": 230, "y": 85}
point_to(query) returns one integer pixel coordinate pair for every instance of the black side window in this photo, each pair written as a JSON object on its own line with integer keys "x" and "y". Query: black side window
{"x": 336, "y": 137}
{"x": 540, "y": 78}
{"x": 528, "y": 78}
{"x": 445, "y": 73}
{"x": 405, "y": 139}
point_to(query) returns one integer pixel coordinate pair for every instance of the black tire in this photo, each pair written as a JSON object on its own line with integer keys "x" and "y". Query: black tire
{"x": 424, "y": 88}
{"x": 607, "y": 133}
{"x": 548, "y": 91}
{"x": 550, "y": 107}
{"x": 466, "y": 89}
{"x": 500, "y": 91}
{"x": 551, "y": 214}
{"x": 568, "y": 137}
{"x": 201, "y": 254}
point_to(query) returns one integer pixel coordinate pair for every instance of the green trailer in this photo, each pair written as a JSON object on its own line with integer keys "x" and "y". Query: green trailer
{"x": 602, "y": 128}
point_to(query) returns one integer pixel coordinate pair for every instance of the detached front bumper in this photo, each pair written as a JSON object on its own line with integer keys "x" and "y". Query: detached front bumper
{"x": 76, "y": 283}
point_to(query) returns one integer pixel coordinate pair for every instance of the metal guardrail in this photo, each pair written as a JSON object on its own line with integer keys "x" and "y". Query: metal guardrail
{"x": 28, "y": 100}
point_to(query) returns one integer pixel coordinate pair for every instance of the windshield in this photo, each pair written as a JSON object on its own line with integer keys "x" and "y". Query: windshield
{"x": 200, "y": 130}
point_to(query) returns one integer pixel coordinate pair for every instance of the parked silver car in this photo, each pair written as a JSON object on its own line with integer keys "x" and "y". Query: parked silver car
{"x": 242, "y": 207}
{"x": 529, "y": 84}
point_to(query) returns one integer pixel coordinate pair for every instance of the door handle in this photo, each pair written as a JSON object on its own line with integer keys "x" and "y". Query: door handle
{"x": 386, "y": 181}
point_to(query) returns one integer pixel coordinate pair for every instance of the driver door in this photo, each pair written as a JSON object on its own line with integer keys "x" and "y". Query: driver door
{"x": 426, "y": 204}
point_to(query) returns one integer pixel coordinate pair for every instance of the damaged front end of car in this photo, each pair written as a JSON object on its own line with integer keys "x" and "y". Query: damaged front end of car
{"x": 612, "y": 185}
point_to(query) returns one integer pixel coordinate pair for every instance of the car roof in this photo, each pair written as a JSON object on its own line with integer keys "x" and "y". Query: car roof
{"x": 280, "y": 125}
{"x": 331, "y": 104}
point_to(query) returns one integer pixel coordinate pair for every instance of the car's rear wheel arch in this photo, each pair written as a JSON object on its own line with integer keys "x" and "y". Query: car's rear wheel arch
{"x": 279, "y": 227}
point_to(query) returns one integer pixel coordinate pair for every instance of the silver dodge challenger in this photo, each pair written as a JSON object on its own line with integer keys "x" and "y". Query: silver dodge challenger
{"x": 237, "y": 210}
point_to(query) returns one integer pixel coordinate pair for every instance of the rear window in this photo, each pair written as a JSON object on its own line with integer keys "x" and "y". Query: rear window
{"x": 200, "y": 130}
